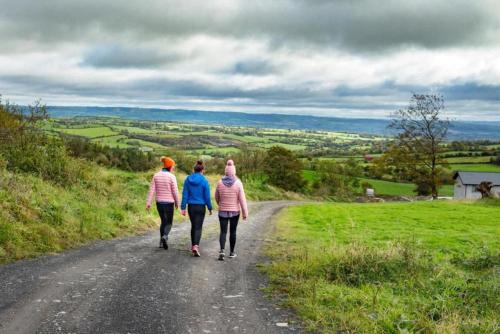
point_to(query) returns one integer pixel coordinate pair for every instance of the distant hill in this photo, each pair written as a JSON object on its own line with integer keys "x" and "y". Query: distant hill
{"x": 458, "y": 130}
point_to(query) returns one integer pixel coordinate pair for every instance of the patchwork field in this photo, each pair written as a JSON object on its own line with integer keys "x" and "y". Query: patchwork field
{"x": 422, "y": 267}
{"x": 211, "y": 141}
{"x": 206, "y": 139}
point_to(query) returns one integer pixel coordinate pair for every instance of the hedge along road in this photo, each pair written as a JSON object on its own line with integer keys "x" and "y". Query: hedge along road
{"x": 131, "y": 286}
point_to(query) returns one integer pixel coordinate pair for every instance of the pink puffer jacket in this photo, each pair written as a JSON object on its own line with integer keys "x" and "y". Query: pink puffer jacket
{"x": 164, "y": 186}
{"x": 231, "y": 198}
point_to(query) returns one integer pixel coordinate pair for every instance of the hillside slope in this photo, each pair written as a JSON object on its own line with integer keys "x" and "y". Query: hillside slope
{"x": 38, "y": 216}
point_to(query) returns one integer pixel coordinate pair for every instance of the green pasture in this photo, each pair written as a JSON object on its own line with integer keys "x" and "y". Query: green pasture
{"x": 420, "y": 267}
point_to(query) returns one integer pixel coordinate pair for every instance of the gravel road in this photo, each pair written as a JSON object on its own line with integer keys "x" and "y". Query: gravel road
{"x": 130, "y": 285}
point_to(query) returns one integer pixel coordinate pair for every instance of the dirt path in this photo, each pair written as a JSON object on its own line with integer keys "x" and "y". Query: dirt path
{"x": 131, "y": 286}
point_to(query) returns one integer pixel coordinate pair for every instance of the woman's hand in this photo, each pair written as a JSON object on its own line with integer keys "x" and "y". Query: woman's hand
{"x": 148, "y": 207}
{"x": 183, "y": 212}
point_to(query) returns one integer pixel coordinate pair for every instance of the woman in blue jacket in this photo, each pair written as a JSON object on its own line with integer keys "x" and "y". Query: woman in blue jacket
{"x": 196, "y": 195}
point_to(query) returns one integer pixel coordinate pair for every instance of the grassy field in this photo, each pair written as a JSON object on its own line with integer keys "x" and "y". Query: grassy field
{"x": 424, "y": 267}
{"x": 475, "y": 167}
{"x": 119, "y": 141}
{"x": 401, "y": 189}
{"x": 386, "y": 188}
{"x": 468, "y": 160}
{"x": 101, "y": 131}
{"x": 38, "y": 217}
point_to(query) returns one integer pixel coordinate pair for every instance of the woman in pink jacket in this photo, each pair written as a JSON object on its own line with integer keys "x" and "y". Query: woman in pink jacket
{"x": 230, "y": 196}
{"x": 164, "y": 189}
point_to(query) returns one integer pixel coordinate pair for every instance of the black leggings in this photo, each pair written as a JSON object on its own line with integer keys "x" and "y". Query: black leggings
{"x": 196, "y": 215}
{"x": 166, "y": 212}
{"x": 233, "y": 224}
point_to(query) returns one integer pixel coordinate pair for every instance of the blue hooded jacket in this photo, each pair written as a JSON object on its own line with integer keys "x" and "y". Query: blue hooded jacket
{"x": 196, "y": 191}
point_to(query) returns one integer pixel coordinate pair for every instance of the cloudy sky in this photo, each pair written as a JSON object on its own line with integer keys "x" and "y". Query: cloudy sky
{"x": 359, "y": 58}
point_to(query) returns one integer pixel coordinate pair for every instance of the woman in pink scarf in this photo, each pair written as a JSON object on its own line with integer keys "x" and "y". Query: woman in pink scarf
{"x": 230, "y": 196}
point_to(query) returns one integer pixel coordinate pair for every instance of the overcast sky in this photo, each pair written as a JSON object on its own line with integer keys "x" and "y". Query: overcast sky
{"x": 359, "y": 58}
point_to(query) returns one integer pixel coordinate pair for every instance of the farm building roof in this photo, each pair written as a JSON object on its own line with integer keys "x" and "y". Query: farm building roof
{"x": 478, "y": 177}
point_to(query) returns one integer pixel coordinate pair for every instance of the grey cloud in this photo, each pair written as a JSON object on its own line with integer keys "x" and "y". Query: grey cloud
{"x": 254, "y": 67}
{"x": 377, "y": 100}
{"x": 378, "y": 96}
{"x": 362, "y": 25}
{"x": 472, "y": 91}
{"x": 117, "y": 56}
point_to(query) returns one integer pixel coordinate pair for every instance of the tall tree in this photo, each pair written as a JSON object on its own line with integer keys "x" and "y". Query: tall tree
{"x": 421, "y": 132}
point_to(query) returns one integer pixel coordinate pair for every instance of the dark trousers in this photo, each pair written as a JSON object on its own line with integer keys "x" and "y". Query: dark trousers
{"x": 196, "y": 216}
{"x": 233, "y": 224}
{"x": 166, "y": 212}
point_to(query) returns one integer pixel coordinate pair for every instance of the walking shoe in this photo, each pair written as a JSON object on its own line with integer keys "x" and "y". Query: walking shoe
{"x": 221, "y": 255}
{"x": 164, "y": 242}
{"x": 232, "y": 255}
{"x": 196, "y": 251}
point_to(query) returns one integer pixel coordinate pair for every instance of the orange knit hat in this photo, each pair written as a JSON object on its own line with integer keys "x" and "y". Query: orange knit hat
{"x": 167, "y": 162}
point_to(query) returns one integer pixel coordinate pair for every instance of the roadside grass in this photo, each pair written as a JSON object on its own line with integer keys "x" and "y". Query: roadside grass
{"x": 421, "y": 267}
{"x": 38, "y": 217}
{"x": 258, "y": 189}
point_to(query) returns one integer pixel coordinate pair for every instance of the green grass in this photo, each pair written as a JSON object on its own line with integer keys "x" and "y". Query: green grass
{"x": 131, "y": 129}
{"x": 38, "y": 217}
{"x": 101, "y": 131}
{"x": 385, "y": 188}
{"x": 401, "y": 189}
{"x": 119, "y": 141}
{"x": 468, "y": 160}
{"x": 422, "y": 267}
{"x": 475, "y": 167}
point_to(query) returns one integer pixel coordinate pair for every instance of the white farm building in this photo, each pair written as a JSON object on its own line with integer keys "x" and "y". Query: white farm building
{"x": 466, "y": 183}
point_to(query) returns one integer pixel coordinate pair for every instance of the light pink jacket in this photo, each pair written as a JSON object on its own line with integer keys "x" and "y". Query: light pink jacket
{"x": 164, "y": 185}
{"x": 231, "y": 198}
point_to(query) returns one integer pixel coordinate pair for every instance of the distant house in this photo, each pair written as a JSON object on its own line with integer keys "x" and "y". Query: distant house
{"x": 466, "y": 183}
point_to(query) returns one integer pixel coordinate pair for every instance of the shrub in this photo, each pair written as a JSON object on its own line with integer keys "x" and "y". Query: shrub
{"x": 284, "y": 169}
{"x": 24, "y": 147}
{"x": 130, "y": 159}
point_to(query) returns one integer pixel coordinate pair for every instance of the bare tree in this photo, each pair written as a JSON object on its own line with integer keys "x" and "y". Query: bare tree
{"x": 421, "y": 133}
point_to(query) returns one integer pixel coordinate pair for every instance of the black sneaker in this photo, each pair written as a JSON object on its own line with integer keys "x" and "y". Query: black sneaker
{"x": 232, "y": 255}
{"x": 164, "y": 243}
{"x": 221, "y": 255}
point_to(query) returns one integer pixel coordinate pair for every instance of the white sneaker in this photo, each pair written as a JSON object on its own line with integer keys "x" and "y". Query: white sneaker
{"x": 221, "y": 255}
{"x": 232, "y": 255}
